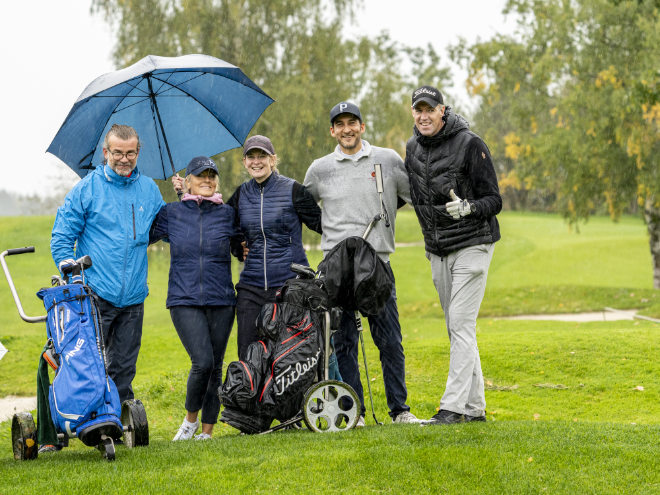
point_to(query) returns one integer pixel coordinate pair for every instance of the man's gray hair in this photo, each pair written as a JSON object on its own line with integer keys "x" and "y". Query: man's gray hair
{"x": 123, "y": 132}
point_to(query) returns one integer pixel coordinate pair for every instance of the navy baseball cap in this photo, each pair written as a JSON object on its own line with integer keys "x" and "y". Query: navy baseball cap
{"x": 427, "y": 94}
{"x": 344, "y": 107}
{"x": 200, "y": 163}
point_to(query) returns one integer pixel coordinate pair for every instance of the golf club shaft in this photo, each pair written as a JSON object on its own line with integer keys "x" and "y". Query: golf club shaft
{"x": 358, "y": 323}
{"x": 326, "y": 358}
{"x": 367, "y": 231}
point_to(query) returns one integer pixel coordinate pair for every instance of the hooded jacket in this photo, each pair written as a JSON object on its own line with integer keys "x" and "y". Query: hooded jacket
{"x": 454, "y": 158}
{"x": 200, "y": 261}
{"x": 107, "y": 217}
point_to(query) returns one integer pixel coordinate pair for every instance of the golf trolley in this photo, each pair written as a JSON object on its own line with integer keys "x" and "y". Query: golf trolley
{"x": 331, "y": 405}
{"x": 299, "y": 327}
{"x": 285, "y": 375}
{"x": 327, "y": 405}
{"x": 82, "y": 400}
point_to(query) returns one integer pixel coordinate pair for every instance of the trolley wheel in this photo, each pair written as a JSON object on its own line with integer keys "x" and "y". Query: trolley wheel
{"x": 107, "y": 448}
{"x": 63, "y": 438}
{"x": 24, "y": 437}
{"x": 331, "y": 406}
{"x": 134, "y": 420}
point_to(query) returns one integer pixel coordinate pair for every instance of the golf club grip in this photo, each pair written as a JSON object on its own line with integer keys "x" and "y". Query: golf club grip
{"x": 85, "y": 262}
{"x": 29, "y": 249}
{"x": 379, "y": 178}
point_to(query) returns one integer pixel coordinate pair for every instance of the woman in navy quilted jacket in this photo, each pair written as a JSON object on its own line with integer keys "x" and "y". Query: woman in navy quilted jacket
{"x": 200, "y": 293}
{"x": 270, "y": 210}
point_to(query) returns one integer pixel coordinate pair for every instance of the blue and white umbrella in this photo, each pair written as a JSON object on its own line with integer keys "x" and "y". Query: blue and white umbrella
{"x": 181, "y": 107}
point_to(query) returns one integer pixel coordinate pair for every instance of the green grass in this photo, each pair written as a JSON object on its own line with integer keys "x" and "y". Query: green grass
{"x": 541, "y": 266}
{"x": 573, "y": 407}
{"x": 516, "y": 457}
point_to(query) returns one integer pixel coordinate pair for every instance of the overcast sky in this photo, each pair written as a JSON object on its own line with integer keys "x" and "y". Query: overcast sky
{"x": 52, "y": 50}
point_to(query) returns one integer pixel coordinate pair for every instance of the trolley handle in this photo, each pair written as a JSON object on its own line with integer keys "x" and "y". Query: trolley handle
{"x": 12, "y": 288}
{"x": 28, "y": 249}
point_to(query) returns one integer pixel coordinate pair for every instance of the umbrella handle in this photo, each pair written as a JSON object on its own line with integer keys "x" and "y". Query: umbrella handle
{"x": 177, "y": 184}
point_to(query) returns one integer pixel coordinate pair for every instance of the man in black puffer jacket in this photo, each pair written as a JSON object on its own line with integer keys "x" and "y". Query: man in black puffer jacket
{"x": 455, "y": 194}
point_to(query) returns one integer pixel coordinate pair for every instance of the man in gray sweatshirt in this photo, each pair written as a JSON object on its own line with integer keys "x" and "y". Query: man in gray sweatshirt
{"x": 344, "y": 183}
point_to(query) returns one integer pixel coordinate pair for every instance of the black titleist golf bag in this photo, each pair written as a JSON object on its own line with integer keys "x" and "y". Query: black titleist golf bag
{"x": 279, "y": 368}
{"x": 272, "y": 382}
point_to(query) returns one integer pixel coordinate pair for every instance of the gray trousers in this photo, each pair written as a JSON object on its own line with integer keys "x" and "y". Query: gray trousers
{"x": 460, "y": 280}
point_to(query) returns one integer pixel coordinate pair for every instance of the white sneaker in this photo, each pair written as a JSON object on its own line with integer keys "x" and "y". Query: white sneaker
{"x": 186, "y": 430}
{"x": 202, "y": 436}
{"x": 360, "y": 423}
{"x": 406, "y": 417}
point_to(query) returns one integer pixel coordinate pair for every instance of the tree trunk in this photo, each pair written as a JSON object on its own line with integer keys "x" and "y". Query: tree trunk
{"x": 652, "y": 217}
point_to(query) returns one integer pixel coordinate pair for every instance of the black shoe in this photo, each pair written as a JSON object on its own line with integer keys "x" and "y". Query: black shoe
{"x": 469, "y": 419}
{"x": 444, "y": 417}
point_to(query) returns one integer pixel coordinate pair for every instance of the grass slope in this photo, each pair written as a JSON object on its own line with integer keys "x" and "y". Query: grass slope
{"x": 573, "y": 407}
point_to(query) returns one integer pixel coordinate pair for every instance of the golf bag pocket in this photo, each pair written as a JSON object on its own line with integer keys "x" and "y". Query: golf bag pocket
{"x": 81, "y": 389}
{"x": 240, "y": 387}
{"x": 74, "y": 394}
{"x": 244, "y": 378}
{"x": 269, "y": 323}
{"x": 297, "y": 355}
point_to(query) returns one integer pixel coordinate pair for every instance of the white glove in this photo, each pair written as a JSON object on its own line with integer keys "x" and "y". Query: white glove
{"x": 458, "y": 207}
{"x": 63, "y": 263}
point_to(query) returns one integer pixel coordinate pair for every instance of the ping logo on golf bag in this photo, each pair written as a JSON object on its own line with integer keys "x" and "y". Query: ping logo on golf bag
{"x": 75, "y": 350}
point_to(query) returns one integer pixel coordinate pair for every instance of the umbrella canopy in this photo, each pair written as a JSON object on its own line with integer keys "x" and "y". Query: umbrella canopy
{"x": 181, "y": 107}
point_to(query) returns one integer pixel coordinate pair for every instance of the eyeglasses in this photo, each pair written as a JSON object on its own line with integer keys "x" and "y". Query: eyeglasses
{"x": 118, "y": 155}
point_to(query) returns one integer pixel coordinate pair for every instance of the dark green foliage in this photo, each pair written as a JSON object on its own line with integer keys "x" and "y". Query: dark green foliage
{"x": 299, "y": 52}
{"x": 571, "y": 107}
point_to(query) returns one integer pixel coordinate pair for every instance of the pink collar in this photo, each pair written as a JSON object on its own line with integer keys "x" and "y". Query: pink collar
{"x": 216, "y": 198}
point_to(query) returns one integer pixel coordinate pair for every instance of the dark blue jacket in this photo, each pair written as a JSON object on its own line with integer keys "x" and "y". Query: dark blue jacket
{"x": 200, "y": 261}
{"x": 273, "y": 232}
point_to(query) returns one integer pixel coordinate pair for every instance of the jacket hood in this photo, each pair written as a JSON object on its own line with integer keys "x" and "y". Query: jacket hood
{"x": 454, "y": 123}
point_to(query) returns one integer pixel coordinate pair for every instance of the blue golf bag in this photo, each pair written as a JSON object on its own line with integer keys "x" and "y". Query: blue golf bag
{"x": 83, "y": 399}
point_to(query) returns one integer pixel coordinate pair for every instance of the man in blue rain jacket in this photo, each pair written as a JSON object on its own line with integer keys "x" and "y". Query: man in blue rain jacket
{"x": 107, "y": 216}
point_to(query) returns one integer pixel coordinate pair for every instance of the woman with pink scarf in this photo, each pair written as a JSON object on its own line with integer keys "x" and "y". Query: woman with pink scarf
{"x": 200, "y": 293}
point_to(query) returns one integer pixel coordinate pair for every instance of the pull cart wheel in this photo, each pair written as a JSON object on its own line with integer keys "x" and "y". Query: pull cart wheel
{"x": 134, "y": 420}
{"x": 24, "y": 437}
{"x": 331, "y": 406}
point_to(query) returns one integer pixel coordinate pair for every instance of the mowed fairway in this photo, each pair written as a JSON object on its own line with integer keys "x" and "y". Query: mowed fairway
{"x": 572, "y": 407}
